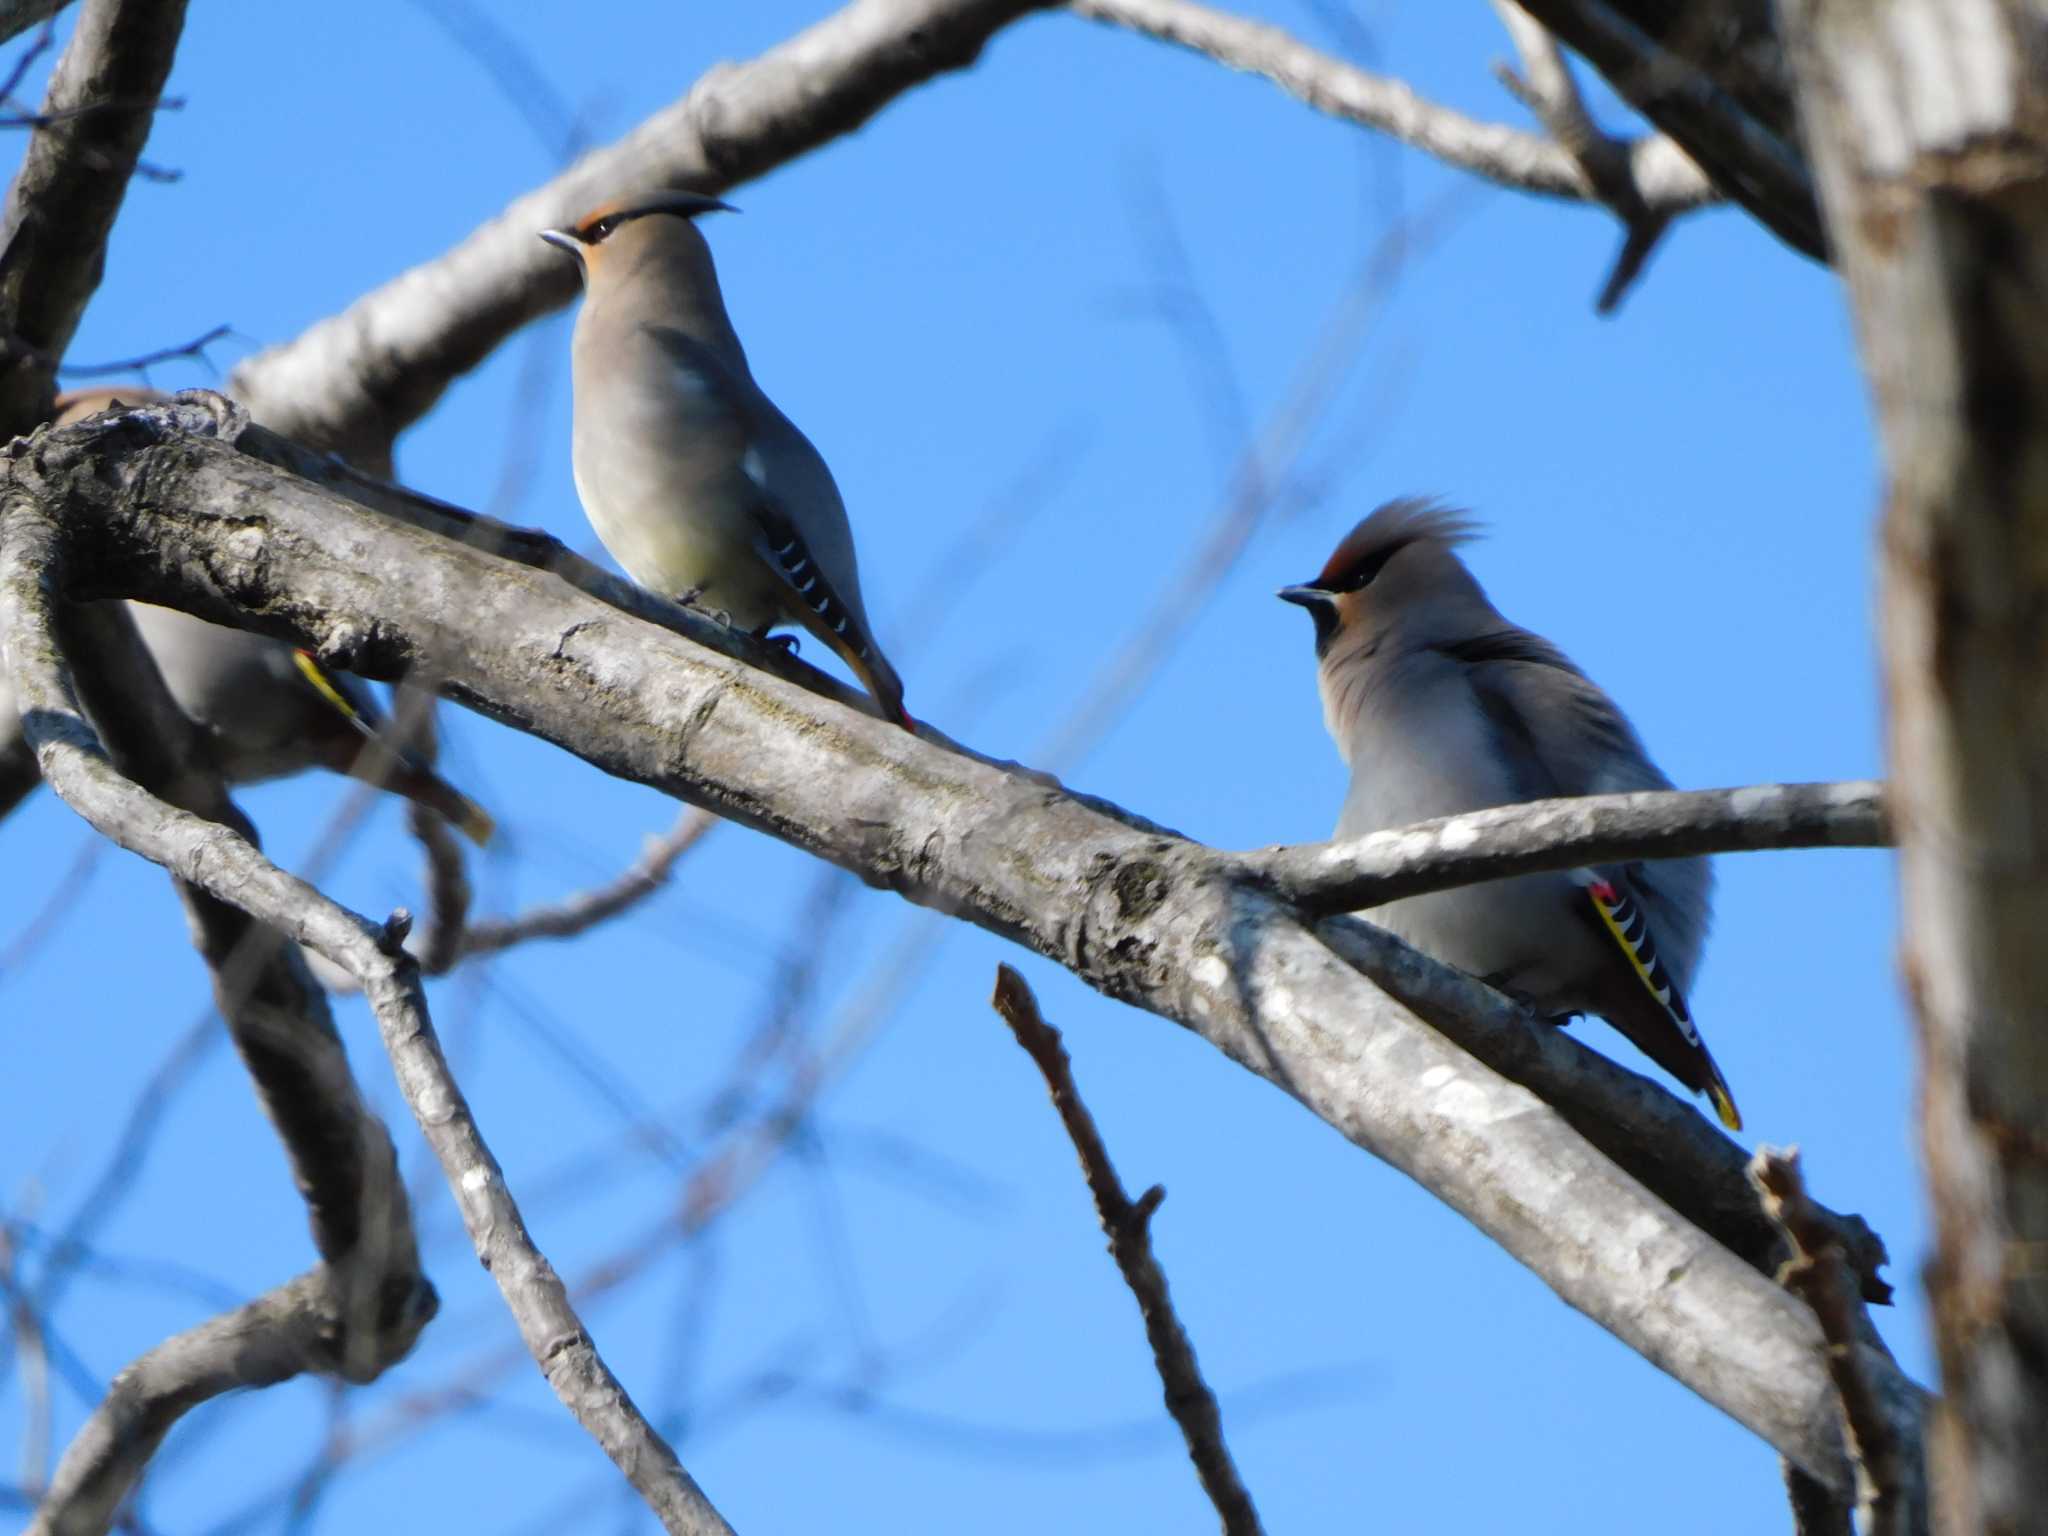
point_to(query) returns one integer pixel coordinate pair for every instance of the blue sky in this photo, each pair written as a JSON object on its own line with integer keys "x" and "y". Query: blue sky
{"x": 910, "y": 1324}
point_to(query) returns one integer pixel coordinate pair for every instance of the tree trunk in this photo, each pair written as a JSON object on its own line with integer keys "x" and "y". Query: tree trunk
{"x": 1927, "y": 121}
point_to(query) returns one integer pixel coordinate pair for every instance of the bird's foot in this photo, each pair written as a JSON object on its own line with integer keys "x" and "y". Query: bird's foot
{"x": 789, "y": 645}
{"x": 688, "y": 599}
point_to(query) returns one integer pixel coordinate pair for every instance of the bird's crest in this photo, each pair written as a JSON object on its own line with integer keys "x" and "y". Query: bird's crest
{"x": 1389, "y": 530}
{"x": 592, "y": 228}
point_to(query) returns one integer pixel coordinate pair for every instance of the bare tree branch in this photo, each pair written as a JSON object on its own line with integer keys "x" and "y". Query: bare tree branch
{"x": 353, "y": 382}
{"x": 1751, "y": 159}
{"x": 448, "y": 890}
{"x": 1891, "y": 1492}
{"x": 586, "y": 909}
{"x": 1128, "y": 1228}
{"x": 17, "y": 16}
{"x": 1547, "y": 88}
{"x": 1137, "y": 913}
{"x": 72, "y": 180}
{"x": 229, "y": 869}
{"x": 1564, "y": 834}
{"x": 1659, "y": 174}
{"x": 1928, "y": 125}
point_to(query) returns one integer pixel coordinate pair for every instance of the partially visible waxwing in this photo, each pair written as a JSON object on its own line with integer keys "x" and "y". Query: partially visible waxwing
{"x": 1440, "y": 705}
{"x": 700, "y": 488}
{"x": 268, "y": 710}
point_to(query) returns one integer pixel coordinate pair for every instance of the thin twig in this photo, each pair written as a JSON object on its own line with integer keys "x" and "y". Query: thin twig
{"x": 1663, "y": 177}
{"x": 1127, "y": 1224}
{"x": 586, "y": 909}
{"x": 1817, "y": 1274}
{"x": 196, "y": 347}
{"x": 448, "y": 889}
{"x": 1544, "y": 835}
{"x": 1547, "y": 88}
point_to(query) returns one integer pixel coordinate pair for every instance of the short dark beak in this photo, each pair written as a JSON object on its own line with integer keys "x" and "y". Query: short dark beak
{"x": 1308, "y": 597}
{"x": 562, "y": 240}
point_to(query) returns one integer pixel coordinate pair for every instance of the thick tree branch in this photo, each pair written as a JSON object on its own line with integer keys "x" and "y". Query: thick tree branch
{"x": 353, "y": 382}
{"x": 53, "y": 237}
{"x": 1659, "y": 174}
{"x": 1666, "y": 1144}
{"x": 1136, "y": 912}
{"x": 1128, "y": 1225}
{"x": 231, "y": 870}
{"x": 1564, "y": 834}
{"x": 1928, "y": 125}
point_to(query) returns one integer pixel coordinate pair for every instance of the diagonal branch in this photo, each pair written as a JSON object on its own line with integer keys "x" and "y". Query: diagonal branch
{"x": 1748, "y": 157}
{"x": 586, "y": 909}
{"x": 72, "y": 180}
{"x": 230, "y": 870}
{"x": 1564, "y": 834}
{"x": 1659, "y": 174}
{"x": 351, "y": 383}
{"x": 1546, "y": 87}
{"x": 1128, "y": 1228}
{"x": 1139, "y": 914}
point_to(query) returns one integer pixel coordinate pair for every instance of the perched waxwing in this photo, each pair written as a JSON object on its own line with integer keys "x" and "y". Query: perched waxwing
{"x": 700, "y": 488}
{"x": 268, "y": 710}
{"x": 1439, "y": 705}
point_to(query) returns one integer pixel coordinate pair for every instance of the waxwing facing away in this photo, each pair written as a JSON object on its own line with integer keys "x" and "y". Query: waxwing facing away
{"x": 1440, "y": 705}
{"x": 269, "y": 710}
{"x": 700, "y": 488}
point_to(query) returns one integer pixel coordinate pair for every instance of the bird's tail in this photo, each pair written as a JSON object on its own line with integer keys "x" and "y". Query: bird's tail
{"x": 858, "y": 649}
{"x": 423, "y": 786}
{"x": 403, "y": 773}
{"x": 1647, "y": 1006}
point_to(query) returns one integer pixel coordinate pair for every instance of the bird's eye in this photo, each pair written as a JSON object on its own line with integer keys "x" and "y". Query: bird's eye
{"x": 600, "y": 229}
{"x": 1362, "y": 576}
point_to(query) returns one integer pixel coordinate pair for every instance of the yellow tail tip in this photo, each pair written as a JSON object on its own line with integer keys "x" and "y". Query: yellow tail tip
{"x": 475, "y": 823}
{"x": 310, "y": 668}
{"x": 1724, "y": 1106}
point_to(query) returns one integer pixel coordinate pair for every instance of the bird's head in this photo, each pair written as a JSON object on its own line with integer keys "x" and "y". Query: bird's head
{"x": 633, "y": 223}
{"x": 1397, "y": 567}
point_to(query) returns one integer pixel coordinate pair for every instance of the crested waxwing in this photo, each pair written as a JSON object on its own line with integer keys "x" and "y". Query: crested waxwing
{"x": 700, "y": 488}
{"x": 1439, "y": 705}
{"x": 267, "y": 709}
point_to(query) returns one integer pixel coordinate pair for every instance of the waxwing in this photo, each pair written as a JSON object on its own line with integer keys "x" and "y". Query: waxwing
{"x": 1439, "y": 705}
{"x": 701, "y": 489}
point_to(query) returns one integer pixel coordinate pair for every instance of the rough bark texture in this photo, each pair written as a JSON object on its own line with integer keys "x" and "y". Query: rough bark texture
{"x": 1928, "y": 122}
{"x": 156, "y": 511}
{"x": 61, "y": 206}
